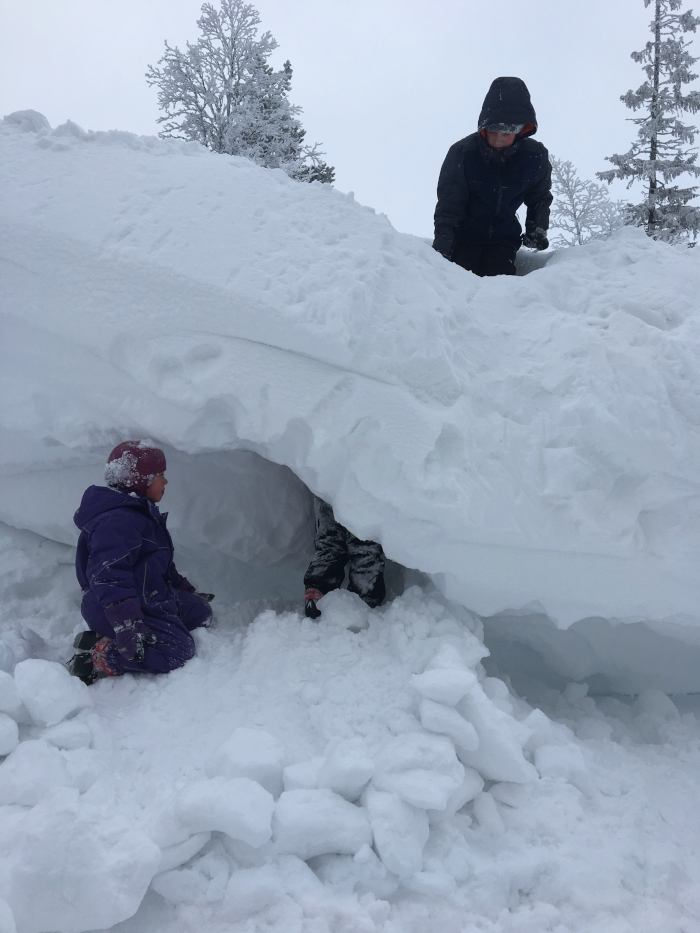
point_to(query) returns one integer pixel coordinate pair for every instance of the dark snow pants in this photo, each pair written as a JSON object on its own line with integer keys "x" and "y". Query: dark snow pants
{"x": 336, "y": 547}
{"x": 485, "y": 260}
{"x": 174, "y": 645}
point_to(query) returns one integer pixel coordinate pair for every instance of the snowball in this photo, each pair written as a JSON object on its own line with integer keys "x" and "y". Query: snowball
{"x": 304, "y": 774}
{"x": 251, "y": 753}
{"x": 30, "y": 772}
{"x": 315, "y": 822}
{"x": 9, "y": 734}
{"x": 499, "y": 756}
{"x": 239, "y": 807}
{"x": 436, "y": 717}
{"x": 174, "y": 856}
{"x": 10, "y": 702}
{"x": 422, "y": 769}
{"x": 347, "y": 768}
{"x": 400, "y": 831}
{"x": 48, "y": 691}
{"x": 77, "y": 867}
{"x": 68, "y": 735}
{"x": 444, "y": 685}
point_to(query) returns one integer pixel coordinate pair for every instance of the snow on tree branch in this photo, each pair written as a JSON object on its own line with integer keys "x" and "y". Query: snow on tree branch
{"x": 663, "y": 149}
{"x": 222, "y": 93}
{"x": 582, "y": 209}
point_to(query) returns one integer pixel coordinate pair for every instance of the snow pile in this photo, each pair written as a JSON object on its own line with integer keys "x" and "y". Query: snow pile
{"x": 529, "y": 446}
{"x": 522, "y": 440}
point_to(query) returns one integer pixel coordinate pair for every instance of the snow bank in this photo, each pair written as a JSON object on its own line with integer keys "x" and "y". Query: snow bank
{"x": 521, "y": 440}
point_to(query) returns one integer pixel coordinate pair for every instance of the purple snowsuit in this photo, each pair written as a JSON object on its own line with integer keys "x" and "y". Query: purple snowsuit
{"x": 125, "y": 568}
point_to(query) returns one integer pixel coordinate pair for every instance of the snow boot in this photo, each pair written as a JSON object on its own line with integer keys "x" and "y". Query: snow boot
{"x": 310, "y": 598}
{"x": 80, "y": 665}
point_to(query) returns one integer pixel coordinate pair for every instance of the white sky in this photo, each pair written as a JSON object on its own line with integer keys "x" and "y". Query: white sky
{"x": 386, "y": 85}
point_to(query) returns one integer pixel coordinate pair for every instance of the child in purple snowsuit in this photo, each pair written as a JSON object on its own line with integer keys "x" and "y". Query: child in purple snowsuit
{"x": 140, "y": 610}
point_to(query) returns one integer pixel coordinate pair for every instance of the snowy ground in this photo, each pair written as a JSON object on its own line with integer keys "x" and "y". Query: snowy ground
{"x": 529, "y": 446}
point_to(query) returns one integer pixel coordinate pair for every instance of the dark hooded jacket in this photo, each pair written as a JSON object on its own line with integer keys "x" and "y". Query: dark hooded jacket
{"x": 481, "y": 188}
{"x": 124, "y": 559}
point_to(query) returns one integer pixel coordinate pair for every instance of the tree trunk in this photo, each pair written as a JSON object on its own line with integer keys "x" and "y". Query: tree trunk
{"x": 653, "y": 149}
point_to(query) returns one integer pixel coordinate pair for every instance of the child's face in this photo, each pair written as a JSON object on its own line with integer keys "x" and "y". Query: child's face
{"x": 499, "y": 140}
{"x": 157, "y": 488}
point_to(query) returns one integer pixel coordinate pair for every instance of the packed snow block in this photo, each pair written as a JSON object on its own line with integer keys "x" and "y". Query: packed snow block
{"x": 10, "y": 702}
{"x": 422, "y": 769}
{"x": 48, "y": 691}
{"x": 7, "y": 921}
{"x": 32, "y": 771}
{"x": 346, "y": 768}
{"x": 239, "y": 807}
{"x": 499, "y": 756}
{"x": 77, "y": 867}
{"x": 471, "y": 786}
{"x": 9, "y": 734}
{"x": 317, "y": 822}
{"x": 400, "y": 831}
{"x": 444, "y": 685}
{"x": 303, "y": 774}
{"x": 250, "y": 753}
{"x": 436, "y": 717}
{"x": 173, "y": 856}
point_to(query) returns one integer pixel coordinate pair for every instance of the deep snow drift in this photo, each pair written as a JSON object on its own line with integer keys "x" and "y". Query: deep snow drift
{"x": 528, "y": 446}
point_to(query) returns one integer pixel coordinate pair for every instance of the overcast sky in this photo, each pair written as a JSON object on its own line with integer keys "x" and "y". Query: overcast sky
{"x": 386, "y": 85}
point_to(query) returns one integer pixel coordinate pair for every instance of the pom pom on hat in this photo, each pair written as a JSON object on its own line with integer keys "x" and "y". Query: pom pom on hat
{"x": 133, "y": 465}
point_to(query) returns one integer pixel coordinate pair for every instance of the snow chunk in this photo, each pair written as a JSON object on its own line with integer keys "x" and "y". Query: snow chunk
{"x": 422, "y": 769}
{"x": 499, "y": 756}
{"x": 176, "y": 855}
{"x": 560, "y": 762}
{"x": 10, "y": 701}
{"x": 471, "y": 786}
{"x": 250, "y": 890}
{"x": 48, "y": 691}
{"x": 347, "y": 768}
{"x": 69, "y": 735}
{"x": 32, "y": 770}
{"x": 91, "y": 868}
{"x": 400, "y": 831}
{"x": 303, "y": 774}
{"x": 29, "y": 121}
{"x": 250, "y": 753}
{"x": 444, "y": 685}
{"x": 444, "y": 719}
{"x": 9, "y": 734}
{"x": 316, "y": 822}
{"x": 239, "y": 807}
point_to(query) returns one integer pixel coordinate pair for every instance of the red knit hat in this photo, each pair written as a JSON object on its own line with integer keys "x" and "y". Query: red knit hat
{"x": 133, "y": 465}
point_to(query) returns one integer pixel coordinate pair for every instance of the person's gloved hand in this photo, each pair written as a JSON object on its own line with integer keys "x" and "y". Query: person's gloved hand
{"x": 132, "y": 636}
{"x": 535, "y": 238}
{"x": 207, "y": 596}
{"x": 443, "y": 245}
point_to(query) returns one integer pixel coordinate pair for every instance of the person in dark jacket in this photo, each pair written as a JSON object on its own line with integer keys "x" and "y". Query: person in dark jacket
{"x": 486, "y": 177}
{"x": 335, "y": 548}
{"x": 140, "y": 610}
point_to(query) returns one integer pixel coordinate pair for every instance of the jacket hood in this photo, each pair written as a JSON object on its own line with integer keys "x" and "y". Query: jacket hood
{"x": 100, "y": 499}
{"x": 508, "y": 101}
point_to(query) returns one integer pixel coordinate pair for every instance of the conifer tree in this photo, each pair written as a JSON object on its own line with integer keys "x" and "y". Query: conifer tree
{"x": 222, "y": 92}
{"x": 582, "y": 209}
{"x": 663, "y": 149}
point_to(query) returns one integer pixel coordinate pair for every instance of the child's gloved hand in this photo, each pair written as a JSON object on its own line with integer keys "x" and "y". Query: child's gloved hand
{"x": 207, "y": 596}
{"x": 132, "y": 637}
{"x": 535, "y": 238}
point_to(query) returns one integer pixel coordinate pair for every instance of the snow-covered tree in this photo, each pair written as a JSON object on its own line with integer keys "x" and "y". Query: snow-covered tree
{"x": 663, "y": 149}
{"x": 222, "y": 92}
{"x": 582, "y": 209}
